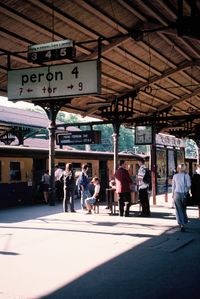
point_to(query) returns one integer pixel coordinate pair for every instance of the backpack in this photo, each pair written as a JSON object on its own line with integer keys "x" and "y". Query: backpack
{"x": 147, "y": 178}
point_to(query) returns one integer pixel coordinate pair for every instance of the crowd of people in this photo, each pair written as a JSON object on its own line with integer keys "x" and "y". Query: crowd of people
{"x": 65, "y": 182}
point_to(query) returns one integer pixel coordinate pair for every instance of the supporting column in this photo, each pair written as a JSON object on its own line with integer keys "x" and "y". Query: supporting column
{"x": 52, "y": 128}
{"x": 115, "y": 135}
{"x": 153, "y": 168}
{"x": 51, "y": 109}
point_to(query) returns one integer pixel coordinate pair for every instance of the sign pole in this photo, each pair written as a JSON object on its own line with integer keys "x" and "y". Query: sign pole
{"x": 51, "y": 128}
{"x": 115, "y": 135}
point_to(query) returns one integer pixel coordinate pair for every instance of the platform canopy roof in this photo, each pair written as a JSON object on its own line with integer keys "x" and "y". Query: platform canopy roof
{"x": 150, "y": 55}
{"x": 24, "y": 124}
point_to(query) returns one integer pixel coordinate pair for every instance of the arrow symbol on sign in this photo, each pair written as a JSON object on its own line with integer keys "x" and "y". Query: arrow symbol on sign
{"x": 29, "y": 90}
{"x": 70, "y": 86}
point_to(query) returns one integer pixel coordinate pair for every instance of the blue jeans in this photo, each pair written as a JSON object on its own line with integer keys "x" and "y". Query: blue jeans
{"x": 84, "y": 194}
{"x": 180, "y": 208}
{"x": 90, "y": 200}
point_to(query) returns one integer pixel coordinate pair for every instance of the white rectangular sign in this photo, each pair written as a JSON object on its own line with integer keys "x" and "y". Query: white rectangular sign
{"x": 169, "y": 140}
{"x": 55, "y": 81}
{"x": 51, "y": 46}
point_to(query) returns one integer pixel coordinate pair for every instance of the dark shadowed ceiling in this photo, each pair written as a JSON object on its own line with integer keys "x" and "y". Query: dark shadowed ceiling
{"x": 150, "y": 55}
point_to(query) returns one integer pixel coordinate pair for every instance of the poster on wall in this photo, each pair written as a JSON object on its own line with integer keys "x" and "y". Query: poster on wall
{"x": 171, "y": 167}
{"x": 161, "y": 171}
{"x": 180, "y": 156}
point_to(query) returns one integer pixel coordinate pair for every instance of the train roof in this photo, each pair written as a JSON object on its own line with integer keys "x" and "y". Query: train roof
{"x": 6, "y": 150}
{"x": 16, "y": 116}
{"x": 12, "y": 119}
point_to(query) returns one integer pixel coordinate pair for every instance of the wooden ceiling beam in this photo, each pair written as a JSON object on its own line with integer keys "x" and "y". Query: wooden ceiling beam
{"x": 122, "y": 69}
{"x": 20, "y": 40}
{"x": 164, "y": 37}
{"x": 165, "y": 74}
{"x": 181, "y": 99}
{"x": 164, "y": 23}
{"x": 127, "y": 6}
{"x": 17, "y": 57}
{"x": 101, "y": 15}
{"x": 107, "y": 48}
{"x": 38, "y": 27}
{"x": 161, "y": 19}
{"x": 152, "y": 97}
{"x": 64, "y": 17}
{"x": 116, "y": 81}
{"x": 137, "y": 60}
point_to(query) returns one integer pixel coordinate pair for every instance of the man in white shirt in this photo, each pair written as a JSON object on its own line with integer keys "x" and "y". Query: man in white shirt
{"x": 181, "y": 184}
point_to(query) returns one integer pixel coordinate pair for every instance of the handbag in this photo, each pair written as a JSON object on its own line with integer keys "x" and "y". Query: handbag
{"x": 189, "y": 201}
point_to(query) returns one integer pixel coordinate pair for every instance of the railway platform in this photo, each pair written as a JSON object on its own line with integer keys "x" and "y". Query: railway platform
{"x": 45, "y": 253}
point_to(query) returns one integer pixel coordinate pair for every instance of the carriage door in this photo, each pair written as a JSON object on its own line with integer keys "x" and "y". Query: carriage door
{"x": 103, "y": 176}
{"x": 39, "y": 165}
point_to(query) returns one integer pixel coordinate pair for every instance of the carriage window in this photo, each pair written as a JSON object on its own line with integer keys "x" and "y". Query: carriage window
{"x": 89, "y": 170}
{"x": 77, "y": 166}
{"x": 15, "y": 171}
{"x": 0, "y": 170}
{"x": 62, "y": 165}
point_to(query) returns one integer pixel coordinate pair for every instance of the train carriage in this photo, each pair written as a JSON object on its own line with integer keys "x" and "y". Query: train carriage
{"x": 21, "y": 169}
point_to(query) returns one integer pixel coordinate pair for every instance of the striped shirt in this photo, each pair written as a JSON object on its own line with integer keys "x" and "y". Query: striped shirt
{"x": 141, "y": 173}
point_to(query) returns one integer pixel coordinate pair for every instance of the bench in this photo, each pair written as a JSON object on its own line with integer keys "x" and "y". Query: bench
{"x": 112, "y": 201}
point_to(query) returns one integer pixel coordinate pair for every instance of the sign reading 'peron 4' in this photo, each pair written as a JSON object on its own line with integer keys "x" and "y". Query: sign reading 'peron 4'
{"x": 54, "y": 81}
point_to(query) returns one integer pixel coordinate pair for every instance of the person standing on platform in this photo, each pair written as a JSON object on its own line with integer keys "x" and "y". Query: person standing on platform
{"x": 45, "y": 185}
{"x": 68, "y": 180}
{"x": 195, "y": 188}
{"x": 181, "y": 184}
{"x": 123, "y": 181}
{"x": 84, "y": 185}
{"x": 58, "y": 183}
{"x": 143, "y": 190}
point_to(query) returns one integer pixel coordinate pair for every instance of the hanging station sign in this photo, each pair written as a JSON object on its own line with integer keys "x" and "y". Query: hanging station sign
{"x": 78, "y": 137}
{"x": 55, "y": 81}
{"x": 51, "y": 51}
{"x": 143, "y": 135}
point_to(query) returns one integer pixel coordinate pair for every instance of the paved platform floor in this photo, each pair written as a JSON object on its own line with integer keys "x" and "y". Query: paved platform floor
{"x": 45, "y": 253}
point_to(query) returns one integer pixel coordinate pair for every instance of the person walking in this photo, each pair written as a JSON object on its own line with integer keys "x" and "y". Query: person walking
{"x": 123, "y": 181}
{"x": 181, "y": 184}
{"x": 84, "y": 185}
{"x": 68, "y": 180}
{"x": 195, "y": 187}
{"x": 45, "y": 185}
{"x": 143, "y": 189}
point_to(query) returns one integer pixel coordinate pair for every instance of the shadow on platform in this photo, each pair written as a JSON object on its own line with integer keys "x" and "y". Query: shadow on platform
{"x": 164, "y": 267}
